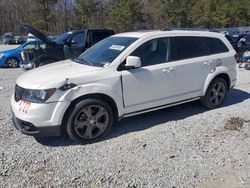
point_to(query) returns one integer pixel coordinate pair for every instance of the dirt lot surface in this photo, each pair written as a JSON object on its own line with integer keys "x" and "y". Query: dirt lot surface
{"x": 7, "y": 47}
{"x": 182, "y": 146}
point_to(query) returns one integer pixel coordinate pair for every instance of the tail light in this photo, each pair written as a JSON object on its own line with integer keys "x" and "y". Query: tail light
{"x": 237, "y": 57}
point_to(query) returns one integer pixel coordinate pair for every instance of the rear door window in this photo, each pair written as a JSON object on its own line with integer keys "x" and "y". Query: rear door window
{"x": 189, "y": 47}
{"x": 215, "y": 45}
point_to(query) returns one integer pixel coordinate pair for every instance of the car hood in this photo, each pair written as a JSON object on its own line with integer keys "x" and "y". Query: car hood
{"x": 8, "y": 51}
{"x": 46, "y": 39}
{"x": 55, "y": 75}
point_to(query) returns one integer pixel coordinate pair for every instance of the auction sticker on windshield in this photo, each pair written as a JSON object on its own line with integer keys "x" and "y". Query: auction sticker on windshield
{"x": 117, "y": 47}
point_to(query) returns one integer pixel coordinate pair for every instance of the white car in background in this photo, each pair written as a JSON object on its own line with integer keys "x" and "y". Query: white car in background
{"x": 31, "y": 37}
{"x": 121, "y": 76}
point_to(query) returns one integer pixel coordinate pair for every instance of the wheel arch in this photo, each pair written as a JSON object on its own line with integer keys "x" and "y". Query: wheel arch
{"x": 99, "y": 96}
{"x": 13, "y": 57}
{"x": 223, "y": 75}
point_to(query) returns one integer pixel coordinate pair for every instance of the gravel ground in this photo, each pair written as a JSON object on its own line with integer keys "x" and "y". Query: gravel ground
{"x": 182, "y": 146}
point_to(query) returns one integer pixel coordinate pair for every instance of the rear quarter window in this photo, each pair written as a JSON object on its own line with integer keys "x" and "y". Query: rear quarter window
{"x": 215, "y": 45}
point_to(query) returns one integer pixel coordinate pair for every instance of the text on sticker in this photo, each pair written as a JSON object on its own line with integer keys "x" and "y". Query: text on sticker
{"x": 117, "y": 47}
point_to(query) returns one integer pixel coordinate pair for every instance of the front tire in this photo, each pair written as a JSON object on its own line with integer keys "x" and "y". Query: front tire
{"x": 12, "y": 62}
{"x": 240, "y": 65}
{"x": 90, "y": 121}
{"x": 247, "y": 66}
{"x": 215, "y": 94}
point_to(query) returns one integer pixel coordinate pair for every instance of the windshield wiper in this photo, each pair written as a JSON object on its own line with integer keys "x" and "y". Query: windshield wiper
{"x": 82, "y": 61}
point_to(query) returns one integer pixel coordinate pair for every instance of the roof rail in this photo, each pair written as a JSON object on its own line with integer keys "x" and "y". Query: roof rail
{"x": 167, "y": 29}
{"x": 146, "y": 30}
{"x": 186, "y": 29}
{"x": 214, "y": 30}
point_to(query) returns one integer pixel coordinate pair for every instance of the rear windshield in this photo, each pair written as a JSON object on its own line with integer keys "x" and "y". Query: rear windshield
{"x": 100, "y": 35}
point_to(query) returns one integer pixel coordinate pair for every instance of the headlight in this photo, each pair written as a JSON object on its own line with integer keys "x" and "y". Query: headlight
{"x": 37, "y": 96}
{"x": 1, "y": 56}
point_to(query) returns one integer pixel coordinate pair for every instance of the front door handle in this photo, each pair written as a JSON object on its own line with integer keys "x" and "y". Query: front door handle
{"x": 168, "y": 70}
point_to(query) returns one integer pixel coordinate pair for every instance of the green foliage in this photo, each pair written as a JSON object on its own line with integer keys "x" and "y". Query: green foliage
{"x": 125, "y": 15}
{"x": 57, "y": 16}
{"x": 42, "y": 14}
{"x": 177, "y": 13}
{"x": 86, "y": 9}
{"x": 155, "y": 18}
{"x": 221, "y": 13}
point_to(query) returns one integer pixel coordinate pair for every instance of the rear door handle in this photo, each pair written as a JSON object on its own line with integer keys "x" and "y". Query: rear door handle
{"x": 168, "y": 70}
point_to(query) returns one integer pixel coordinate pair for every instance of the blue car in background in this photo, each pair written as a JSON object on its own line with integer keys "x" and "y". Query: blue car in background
{"x": 12, "y": 58}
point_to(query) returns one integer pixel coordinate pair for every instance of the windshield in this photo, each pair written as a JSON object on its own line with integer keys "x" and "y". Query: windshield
{"x": 23, "y": 45}
{"x": 28, "y": 45}
{"x": 105, "y": 51}
{"x": 60, "y": 39}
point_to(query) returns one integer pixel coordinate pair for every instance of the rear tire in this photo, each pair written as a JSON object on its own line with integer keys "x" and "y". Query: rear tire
{"x": 215, "y": 93}
{"x": 90, "y": 121}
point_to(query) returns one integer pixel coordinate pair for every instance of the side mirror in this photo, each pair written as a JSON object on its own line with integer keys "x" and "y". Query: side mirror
{"x": 242, "y": 40}
{"x": 132, "y": 62}
{"x": 73, "y": 42}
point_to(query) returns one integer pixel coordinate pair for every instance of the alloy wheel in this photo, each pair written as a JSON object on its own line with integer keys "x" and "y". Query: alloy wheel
{"x": 91, "y": 122}
{"x": 217, "y": 93}
{"x": 12, "y": 63}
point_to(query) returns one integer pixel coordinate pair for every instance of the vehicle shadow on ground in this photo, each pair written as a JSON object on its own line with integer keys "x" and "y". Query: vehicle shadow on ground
{"x": 151, "y": 119}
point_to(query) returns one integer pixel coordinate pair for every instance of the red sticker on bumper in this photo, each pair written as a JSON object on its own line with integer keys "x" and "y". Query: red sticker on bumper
{"x": 24, "y": 106}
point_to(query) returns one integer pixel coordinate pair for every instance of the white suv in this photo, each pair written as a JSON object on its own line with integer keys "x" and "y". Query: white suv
{"x": 121, "y": 76}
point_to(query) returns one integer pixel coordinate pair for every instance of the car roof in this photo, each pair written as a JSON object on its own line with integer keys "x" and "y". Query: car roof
{"x": 142, "y": 34}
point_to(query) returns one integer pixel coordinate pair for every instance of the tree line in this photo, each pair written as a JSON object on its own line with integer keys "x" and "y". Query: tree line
{"x": 57, "y": 16}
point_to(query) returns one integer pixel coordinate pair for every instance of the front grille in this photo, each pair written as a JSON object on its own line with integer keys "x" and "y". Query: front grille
{"x": 18, "y": 93}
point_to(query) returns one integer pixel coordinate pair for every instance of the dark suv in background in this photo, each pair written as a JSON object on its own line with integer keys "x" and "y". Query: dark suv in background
{"x": 245, "y": 41}
{"x": 8, "y": 38}
{"x": 69, "y": 45}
